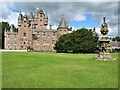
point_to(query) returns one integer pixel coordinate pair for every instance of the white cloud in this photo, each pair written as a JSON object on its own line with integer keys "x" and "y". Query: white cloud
{"x": 12, "y": 19}
{"x": 80, "y": 17}
{"x": 73, "y": 11}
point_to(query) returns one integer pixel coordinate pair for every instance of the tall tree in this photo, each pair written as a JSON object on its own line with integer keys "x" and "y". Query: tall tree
{"x": 5, "y": 25}
{"x": 14, "y": 28}
{"x": 80, "y": 41}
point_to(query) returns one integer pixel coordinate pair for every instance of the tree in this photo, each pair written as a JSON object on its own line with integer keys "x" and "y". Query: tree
{"x": 14, "y": 28}
{"x": 80, "y": 41}
{"x": 4, "y": 25}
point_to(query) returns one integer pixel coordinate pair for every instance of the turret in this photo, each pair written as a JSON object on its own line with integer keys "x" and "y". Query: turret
{"x": 20, "y": 18}
{"x": 45, "y": 18}
{"x": 63, "y": 23}
{"x": 63, "y": 27}
{"x": 25, "y": 17}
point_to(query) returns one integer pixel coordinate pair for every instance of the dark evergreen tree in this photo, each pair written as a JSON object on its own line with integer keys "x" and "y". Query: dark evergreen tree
{"x": 5, "y": 25}
{"x": 80, "y": 41}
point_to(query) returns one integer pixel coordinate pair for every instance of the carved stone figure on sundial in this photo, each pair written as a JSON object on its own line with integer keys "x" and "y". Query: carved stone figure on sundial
{"x": 104, "y": 29}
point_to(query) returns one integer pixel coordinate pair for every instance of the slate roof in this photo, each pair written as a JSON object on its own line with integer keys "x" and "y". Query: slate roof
{"x": 63, "y": 23}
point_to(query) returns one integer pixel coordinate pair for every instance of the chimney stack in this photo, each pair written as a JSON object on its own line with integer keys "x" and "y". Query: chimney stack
{"x": 50, "y": 27}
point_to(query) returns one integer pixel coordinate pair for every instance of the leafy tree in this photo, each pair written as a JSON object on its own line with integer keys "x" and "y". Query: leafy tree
{"x": 80, "y": 41}
{"x": 5, "y": 25}
{"x": 14, "y": 28}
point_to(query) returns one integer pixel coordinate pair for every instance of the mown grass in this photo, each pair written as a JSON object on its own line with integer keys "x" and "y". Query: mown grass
{"x": 57, "y": 70}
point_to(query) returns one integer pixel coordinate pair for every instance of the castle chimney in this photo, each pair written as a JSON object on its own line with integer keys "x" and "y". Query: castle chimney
{"x": 50, "y": 27}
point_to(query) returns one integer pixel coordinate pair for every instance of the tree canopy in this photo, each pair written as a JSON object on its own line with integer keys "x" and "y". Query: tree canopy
{"x": 6, "y": 25}
{"x": 80, "y": 41}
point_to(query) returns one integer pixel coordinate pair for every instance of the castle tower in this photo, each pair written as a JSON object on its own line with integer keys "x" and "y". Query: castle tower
{"x": 20, "y": 18}
{"x": 41, "y": 20}
{"x": 63, "y": 27}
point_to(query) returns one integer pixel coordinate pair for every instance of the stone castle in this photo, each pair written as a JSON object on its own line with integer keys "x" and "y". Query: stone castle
{"x": 33, "y": 33}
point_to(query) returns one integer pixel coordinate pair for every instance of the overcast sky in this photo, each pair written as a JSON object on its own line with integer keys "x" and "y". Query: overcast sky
{"x": 78, "y": 14}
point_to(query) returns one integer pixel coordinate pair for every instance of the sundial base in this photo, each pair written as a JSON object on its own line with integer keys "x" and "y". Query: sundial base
{"x": 104, "y": 56}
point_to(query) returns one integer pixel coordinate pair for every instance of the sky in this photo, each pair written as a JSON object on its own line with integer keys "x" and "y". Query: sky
{"x": 78, "y": 14}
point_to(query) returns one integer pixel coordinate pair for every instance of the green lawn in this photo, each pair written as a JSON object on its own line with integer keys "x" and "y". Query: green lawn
{"x": 57, "y": 70}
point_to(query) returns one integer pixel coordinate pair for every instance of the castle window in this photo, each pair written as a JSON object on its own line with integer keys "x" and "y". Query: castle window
{"x": 65, "y": 32}
{"x": 40, "y": 19}
{"x": 47, "y": 43}
{"x": 24, "y": 42}
{"x": 24, "y": 35}
{"x": 60, "y": 31}
{"x": 54, "y": 35}
{"x": 38, "y": 42}
{"x": 20, "y": 42}
{"x": 44, "y": 42}
{"x": 38, "y": 35}
{"x": 53, "y": 41}
{"x": 15, "y": 42}
{"x": 48, "y": 36}
{"x": 44, "y": 34}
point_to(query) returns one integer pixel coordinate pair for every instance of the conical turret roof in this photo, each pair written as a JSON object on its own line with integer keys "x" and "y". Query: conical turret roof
{"x": 20, "y": 16}
{"x": 62, "y": 23}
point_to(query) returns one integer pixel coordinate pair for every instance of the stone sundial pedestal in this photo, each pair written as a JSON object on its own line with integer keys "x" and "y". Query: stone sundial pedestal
{"x": 104, "y": 43}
